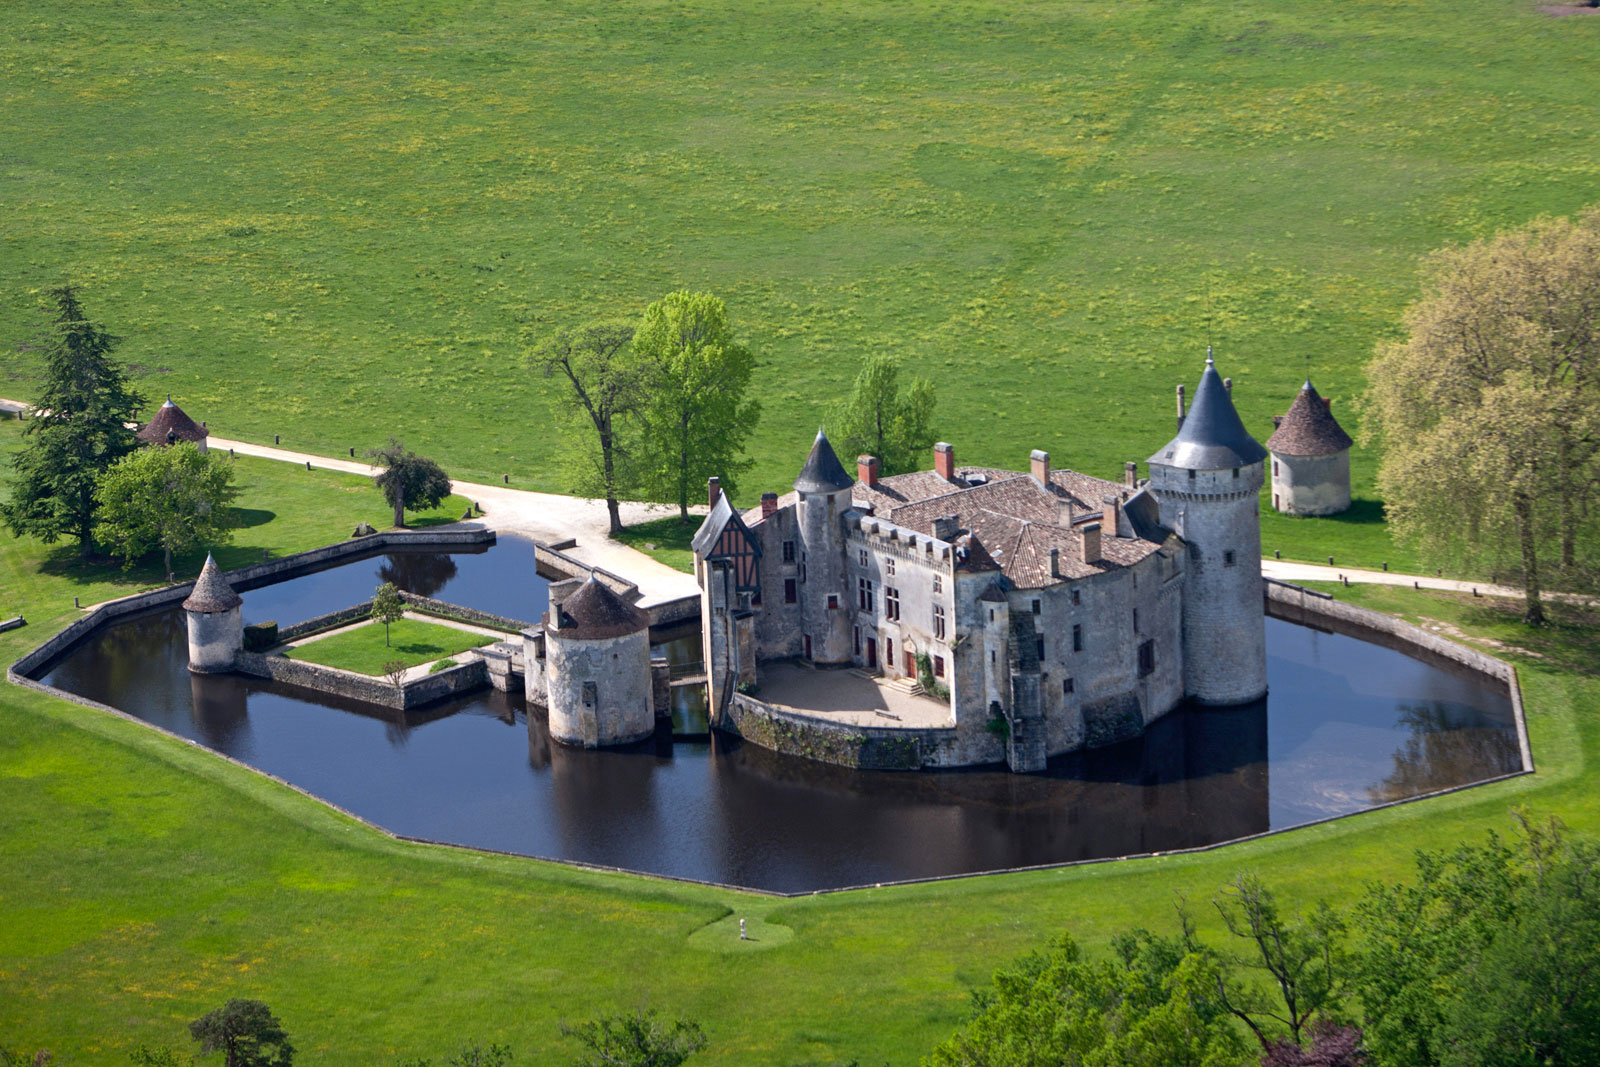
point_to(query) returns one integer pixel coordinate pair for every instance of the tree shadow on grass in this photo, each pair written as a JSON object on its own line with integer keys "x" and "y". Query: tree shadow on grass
{"x": 1362, "y": 512}
{"x": 418, "y": 648}
{"x": 244, "y": 518}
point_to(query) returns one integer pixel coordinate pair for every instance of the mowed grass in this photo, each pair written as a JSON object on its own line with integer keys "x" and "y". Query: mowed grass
{"x": 341, "y": 222}
{"x": 146, "y": 881}
{"x": 367, "y": 650}
{"x": 663, "y": 540}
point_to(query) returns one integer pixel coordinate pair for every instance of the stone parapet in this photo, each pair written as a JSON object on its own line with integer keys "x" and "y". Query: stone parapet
{"x": 867, "y": 748}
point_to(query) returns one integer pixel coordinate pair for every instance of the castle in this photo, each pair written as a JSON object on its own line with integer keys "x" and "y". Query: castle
{"x": 1050, "y": 611}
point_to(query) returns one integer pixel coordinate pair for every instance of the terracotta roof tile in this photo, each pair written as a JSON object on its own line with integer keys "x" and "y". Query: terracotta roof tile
{"x": 1309, "y": 428}
{"x": 170, "y": 419}
{"x": 595, "y": 611}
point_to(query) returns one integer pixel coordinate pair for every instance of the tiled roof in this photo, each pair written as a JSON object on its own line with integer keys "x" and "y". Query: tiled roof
{"x": 170, "y": 419}
{"x": 594, "y": 611}
{"x": 211, "y": 592}
{"x": 1309, "y": 428}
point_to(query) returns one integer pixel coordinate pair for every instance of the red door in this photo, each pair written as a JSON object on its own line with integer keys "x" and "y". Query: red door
{"x": 872, "y": 653}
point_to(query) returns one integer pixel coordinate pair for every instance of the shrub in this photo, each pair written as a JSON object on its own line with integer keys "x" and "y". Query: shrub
{"x": 443, "y": 665}
{"x": 260, "y": 636}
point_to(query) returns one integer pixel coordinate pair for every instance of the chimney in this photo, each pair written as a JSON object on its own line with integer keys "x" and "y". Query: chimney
{"x": 1112, "y": 514}
{"x": 1055, "y": 563}
{"x": 1064, "y": 517}
{"x": 1277, "y": 421}
{"x": 1327, "y": 403}
{"x": 559, "y": 591}
{"x": 1091, "y": 542}
{"x": 944, "y": 461}
{"x": 1180, "y": 407}
{"x": 1039, "y": 466}
{"x": 1130, "y": 474}
{"x": 713, "y": 491}
{"x": 867, "y": 470}
{"x": 945, "y": 529}
{"x": 769, "y": 504}
{"x": 1227, "y": 383}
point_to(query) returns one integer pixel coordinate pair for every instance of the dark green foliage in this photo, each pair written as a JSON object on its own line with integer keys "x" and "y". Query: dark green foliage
{"x": 175, "y": 498}
{"x": 636, "y": 1039}
{"x": 882, "y": 419}
{"x": 157, "y": 1056}
{"x": 260, "y": 636}
{"x": 78, "y": 430}
{"x": 246, "y": 1033}
{"x": 409, "y": 482}
{"x": 387, "y": 607}
{"x": 469, "y": 1056}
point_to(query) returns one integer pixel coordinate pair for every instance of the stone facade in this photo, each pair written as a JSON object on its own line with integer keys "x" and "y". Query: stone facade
{"x": 215, "y": 638}
{"x": 1311, "y": 485}
{"x": 596, "y": 691}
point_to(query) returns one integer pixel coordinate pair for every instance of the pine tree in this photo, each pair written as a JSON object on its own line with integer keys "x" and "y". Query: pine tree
{"x": 78, "y": 430}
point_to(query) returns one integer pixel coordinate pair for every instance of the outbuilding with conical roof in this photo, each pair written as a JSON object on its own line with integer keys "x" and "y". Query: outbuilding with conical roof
{"x": 597, "y": 668}
{"x": 214, "y": 613}
{"x": 170, "y": 425}
{"x": 1310, "y": 457}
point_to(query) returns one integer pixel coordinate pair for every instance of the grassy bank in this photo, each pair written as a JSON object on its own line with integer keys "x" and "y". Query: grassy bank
{"x": 368, "y": 649}
{"x": 145, "y": 881}
{"x": 341, "y": 223}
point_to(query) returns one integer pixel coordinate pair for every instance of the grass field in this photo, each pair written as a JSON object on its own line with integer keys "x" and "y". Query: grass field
{"x": 411, "y": 641}
{"x": 344, "y": 221}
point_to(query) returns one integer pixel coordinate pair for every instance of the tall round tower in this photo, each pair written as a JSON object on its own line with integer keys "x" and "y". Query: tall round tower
{"x": 824, "y": 491}
{"x": 597, "y": 669}
{"x": 216, "y": 622}
{"x": 1208, "y": 480}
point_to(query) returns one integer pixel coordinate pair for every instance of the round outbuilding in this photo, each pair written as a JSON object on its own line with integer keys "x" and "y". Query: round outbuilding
{"x": 1310, "y": 458}
{"x": 170, "y": 426}
{"x": 216, "y": 621}
{"x": 597, "y": 669}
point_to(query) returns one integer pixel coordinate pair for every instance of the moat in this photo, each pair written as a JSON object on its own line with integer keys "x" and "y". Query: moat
{"x": 1347, "y": 725}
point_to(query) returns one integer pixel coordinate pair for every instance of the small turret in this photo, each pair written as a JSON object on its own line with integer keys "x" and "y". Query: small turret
{"x": 1310, "y": 457}
{"x": 214, "y": 613}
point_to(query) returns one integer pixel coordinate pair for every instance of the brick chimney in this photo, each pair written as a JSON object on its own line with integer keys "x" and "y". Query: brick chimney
{"x": 1039, "y": 466}
{"x": 946, "y": 528}
{"x": 1055, "y": 563}
{"x": 713, "y": 491}
{"x": 944, "y": 460}
{"x": 769, "y": 504}
{"x": 1110, "y": 510}
{"x": 1130, "y": 474}
{"x": 867, "y": 470}
{"x": 1091, "y": 542}
{"x": 1064, "y": 514}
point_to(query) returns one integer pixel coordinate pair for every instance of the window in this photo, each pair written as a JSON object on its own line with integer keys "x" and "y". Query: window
{"x": 1135, "y": 620}
{"x": 789, "y": 593}
{"x": 938, "y": 666}
{"x": 891, "y": 602}
{"x": 1066, "y": 686}
{"x": 858, "y": 640}
{"x": 1077, "y": 637}
{"x": 1077, "y": 598}
{"x": 1038, "y": 644}
{"x": 1191, "y": 475}
{"x": 865, "y": 599}
{"x": 1236, "y": 472}
{"x": 806, "y": 638}
{"x": 938, "y": 622}
{"x": 991, "y": 657}
{"x": 802, "y": 572}
{"x": 861, "y": 557}
{"x": 888, "y": 565}
{"x": 1036, "y": 607}
{"x": 788, "y": 551}
{"x": 1275, "y": 504}
{"x": 1147, "y": 657}
{"x": 833, "y": 601}
{"x": 888, "y": 652}
{"x": 938, "y": 583}
{"x": 1274, "y": 468}
{"x": 1227, "y": 558}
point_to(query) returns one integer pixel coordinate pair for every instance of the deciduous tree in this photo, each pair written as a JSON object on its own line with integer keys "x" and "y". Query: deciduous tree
{"x": 697, "y": 415}
{"x": 636, "y": 1039}
{"x": 409, "y": 482}
{"x": 1489, "y": 411}
{"x": 609, "y": 384}
{"x": 387, "y": 608}
{"x": 77, "y": 431}
{"x": 172, "y": 497}
{"x": 885, "y": 417}
{"x": 246, "y": 1033}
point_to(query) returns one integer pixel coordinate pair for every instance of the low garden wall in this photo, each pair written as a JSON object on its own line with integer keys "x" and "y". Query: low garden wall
{"x": 450, "y": 682}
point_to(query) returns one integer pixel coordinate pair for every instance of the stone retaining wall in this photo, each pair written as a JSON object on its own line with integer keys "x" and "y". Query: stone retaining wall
{"x": 451, "y": 682}
{"x": 256, "y": 574}
{"x": 464, "y": 614}
{"x": 867, "y": 748}
{"x": 1308, "y": 608}
{"x": 663, "y": 613}
{"x": 327, "y": 621}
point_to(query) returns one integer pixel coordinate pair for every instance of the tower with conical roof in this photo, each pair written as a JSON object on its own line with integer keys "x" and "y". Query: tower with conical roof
{"x": 214, "y": 613}
{"x": 824, "y": 496}
{"x": 1310, "y": 457}
{"x": 597, "y": 668}
{"x": 1208, "y": 480}
{"x": 170, "y": 425}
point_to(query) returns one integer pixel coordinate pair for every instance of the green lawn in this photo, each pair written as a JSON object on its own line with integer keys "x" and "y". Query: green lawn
{"x": 366, "y": 651}
{"x": 341, "y": 222}
{"x": 663, "y": 540}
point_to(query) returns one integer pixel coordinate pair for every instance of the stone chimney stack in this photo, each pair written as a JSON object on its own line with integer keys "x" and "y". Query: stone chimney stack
{"x": 945, "y": 529}
{"x": 1130, "y": 474}
{"x": 867, "y": 470}
{"x": 769, "y": 504}
{"x": 1091, "y": 542}
{"x": 1055, "y": 563}
{"x": 1111, "y": 516}
{"x": 1180, "y": 407}
{"x": 713, "y": 491}
{"x": 559, "y": 591}
{"x": 1227, "y": 383}
{"x": 1065, "y": 516}
{"x": 944, "y": 460}
{"x": 1039, "y": 466}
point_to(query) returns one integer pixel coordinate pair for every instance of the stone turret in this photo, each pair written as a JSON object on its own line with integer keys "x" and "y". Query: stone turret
{"x": 824, "y": 491}
{"x": 216, "y": 621}
{"x": 1310, "y": 458}
{"x": 597, "y": 669}
{"x": 170, "y": 425}
{"x": 1208, "y": 481}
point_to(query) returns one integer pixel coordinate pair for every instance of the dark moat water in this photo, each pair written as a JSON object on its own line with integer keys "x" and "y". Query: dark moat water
{"x": 1347, "y": 725}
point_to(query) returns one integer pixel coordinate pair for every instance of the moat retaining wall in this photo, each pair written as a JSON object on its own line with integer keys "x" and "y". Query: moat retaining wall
{"x": 866, "y": 748}
{"x": 451, "y": 682}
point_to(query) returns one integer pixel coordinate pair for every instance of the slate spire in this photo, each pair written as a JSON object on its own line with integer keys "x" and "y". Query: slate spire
{"x": 1213, "y": 436}
{"x": 823, "y": 473}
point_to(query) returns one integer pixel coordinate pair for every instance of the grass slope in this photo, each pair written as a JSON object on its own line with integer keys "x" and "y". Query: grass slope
{"x": 366, "y": 651}
{"x": 146, "y": 880}
{"x": 341, "y": 222}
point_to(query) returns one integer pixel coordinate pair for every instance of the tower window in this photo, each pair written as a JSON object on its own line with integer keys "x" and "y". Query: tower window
{"x": 1038, "y": 643}
{"x": 1066, "y": 686}
{"x": 1274, "y": 468}
{"x": 1236, "y": 472}
{"x": 1227, "y": 558}
{"x": 789, "y": 592}
{"x": 1147, "y": 657}
{"x": 865, "y": 598}
{"x": 938, "y": 583}
{"x": 788, "y": 551}
{"x": 891, "y": 602}
{"x": 1077, "y": 637}
{"x": 833, "y": 601}
{"x": 1191, "y": 475}
{"x": 1077, "y": 598}
{"x": 938, "y": 622}
{"x": 1036, "y": 607}
{"x": 1135, "y": 620}
{"x": 888, "y": 565}
{"x": 861, "y": 557}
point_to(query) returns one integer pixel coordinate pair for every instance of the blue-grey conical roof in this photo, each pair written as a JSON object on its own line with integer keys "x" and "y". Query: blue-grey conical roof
{"x": 1213, "y": 437}
{"x": 823, "y": 473}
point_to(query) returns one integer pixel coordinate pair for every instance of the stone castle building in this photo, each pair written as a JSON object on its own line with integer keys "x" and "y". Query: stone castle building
{"x": 1050, "y": 610}
{"x": 1310, "y": 457}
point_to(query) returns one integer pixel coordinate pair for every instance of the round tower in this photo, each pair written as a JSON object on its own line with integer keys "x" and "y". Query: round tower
{"x": 824, "y": 491}
{"x": 1208, "y": 481}
{"x": 597, "y": 669}
{"x": 1310, "y": 458}
{"x": 216, "y": 621}
{"x": 170, "y": 425}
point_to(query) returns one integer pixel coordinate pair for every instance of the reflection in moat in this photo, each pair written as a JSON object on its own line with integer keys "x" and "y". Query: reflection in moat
{"x": 1346, "y": 725}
